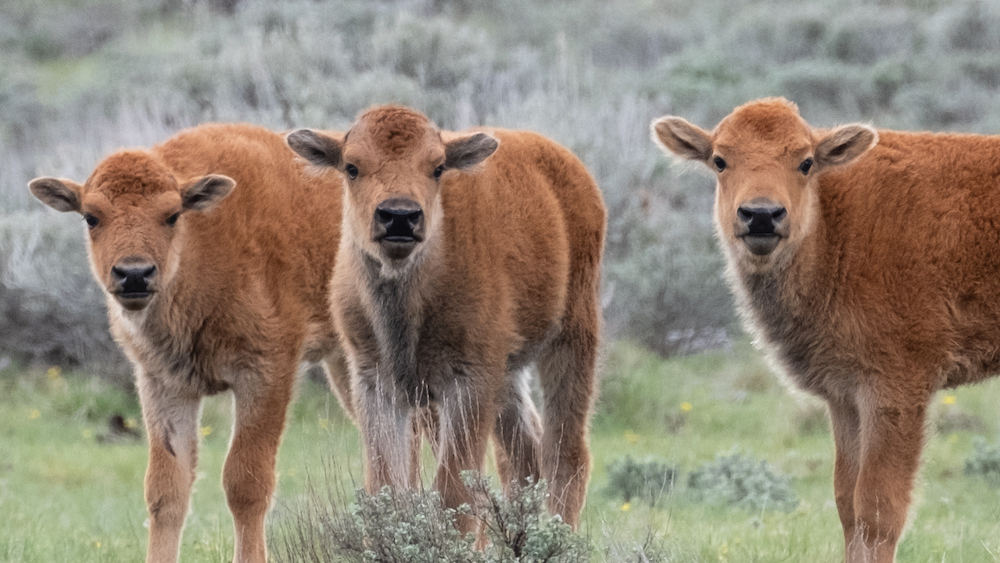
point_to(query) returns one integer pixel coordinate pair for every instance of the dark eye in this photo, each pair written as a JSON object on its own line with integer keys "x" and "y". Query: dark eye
{"x": 172, "y": 220}
{"x": 806, "y": 166}
{"x": 91, "y": 220}
{"x": 438, "y": 172}
{"x": 719, "y": 163}
{"x": 352, "y": 171}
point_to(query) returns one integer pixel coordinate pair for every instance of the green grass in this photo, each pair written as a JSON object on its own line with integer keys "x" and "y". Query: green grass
{"x": 65, "y": 495}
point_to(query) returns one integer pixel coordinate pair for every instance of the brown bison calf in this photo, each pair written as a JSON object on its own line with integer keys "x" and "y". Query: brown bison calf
{"x": 455, "y": 277}
{"x": 215, "y": 250}
{"x": 868, "y": 265}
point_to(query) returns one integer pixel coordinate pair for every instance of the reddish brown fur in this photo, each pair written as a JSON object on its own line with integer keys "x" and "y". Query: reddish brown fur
{"x": 886, "y": 289}
{"x": 506, "y": 277}
{"x": 240, "y": 298}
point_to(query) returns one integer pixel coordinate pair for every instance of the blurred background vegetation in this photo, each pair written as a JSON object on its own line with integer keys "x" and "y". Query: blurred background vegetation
{"x": 79, "y": 78}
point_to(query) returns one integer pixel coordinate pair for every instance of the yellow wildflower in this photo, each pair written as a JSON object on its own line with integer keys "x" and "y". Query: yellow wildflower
{"x": 34, "y": 414}
{"x": 206, "y": 430}
{"x": 631, "y": 437}
{"x": 686, "y": 406}
{"x": 948, "y": 399}
{"x": 626, "y": 507}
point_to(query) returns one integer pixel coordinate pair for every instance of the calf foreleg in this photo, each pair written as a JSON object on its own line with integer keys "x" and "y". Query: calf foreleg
{"x": 846, "y": 426}
{"x": 249, "y": 474}
{"x": 171, "y": 419}
{"x": 386, "y": 432}
{"x": 892, "y": 433}
{"x": 466, "y": 417}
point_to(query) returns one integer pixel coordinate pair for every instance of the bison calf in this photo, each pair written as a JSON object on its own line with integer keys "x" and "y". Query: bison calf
{"x": 466, "y": 258}
{"x": 215, "y": 251}
{"x": 868, "y": 266}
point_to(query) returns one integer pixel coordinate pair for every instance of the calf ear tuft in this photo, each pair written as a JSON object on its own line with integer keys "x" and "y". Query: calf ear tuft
{"x": 203, "y": 194}
{"x": 466, "y": 152}
{"x": 58, "y": 193}
{"x": 845, "y": 144}
{"x": 317, "y": 148}
{"x": 677, "y": 136}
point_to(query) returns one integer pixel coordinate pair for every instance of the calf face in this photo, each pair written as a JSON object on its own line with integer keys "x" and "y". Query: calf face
{"x": 393, "y": 159}
{"x": 133, "y": 208}
{"x": 768, "y": 161}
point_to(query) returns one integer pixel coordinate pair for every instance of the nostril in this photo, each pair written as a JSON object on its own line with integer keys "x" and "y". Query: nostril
{"x": 744, "y": 214}
{"x": 148, "y": 272}
{"x": 384, "y": 216}
{"x": 778, "y": 214}
{"x": 415, "y": 218}
{"x": 119, "y": 274}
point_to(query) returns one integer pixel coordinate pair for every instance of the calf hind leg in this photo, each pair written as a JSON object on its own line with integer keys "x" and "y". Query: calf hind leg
{"x": 517, "y": 434}
{"x": 567, "y": 376}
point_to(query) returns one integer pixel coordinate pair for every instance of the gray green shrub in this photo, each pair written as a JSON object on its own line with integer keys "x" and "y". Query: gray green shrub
{"x": 984, "y": 462}
{"x": 742, "y": 481}
{"x": 649, "y": 480}
{"x": 411, "y": 526}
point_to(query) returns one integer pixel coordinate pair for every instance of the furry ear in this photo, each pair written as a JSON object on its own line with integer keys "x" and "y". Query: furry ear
{"x": 317, "y": 148}
{"x": 466, "y": 152}
{"x": 58, "y": 193}
{"x": 203, "y": 194}
{"x": 845, "y": 144}
{"x": 675, "y": 135}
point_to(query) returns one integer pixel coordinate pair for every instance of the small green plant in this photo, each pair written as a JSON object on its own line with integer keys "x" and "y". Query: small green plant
{"x": 647, "y": 480}
{"x": 984, "y": 462}
{"x": 742, "y": 481}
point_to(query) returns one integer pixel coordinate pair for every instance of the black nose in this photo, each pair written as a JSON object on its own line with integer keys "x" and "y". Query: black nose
{"x": 133, "y": 278}
{"x": 761, "y": 219}
{"x": 398, "y": 220}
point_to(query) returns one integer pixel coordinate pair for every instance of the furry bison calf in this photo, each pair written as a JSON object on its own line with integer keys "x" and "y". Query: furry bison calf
{"x": 867, "y": 263}
{"x": 215, "y": 251}
{"x": 465, "y": 259}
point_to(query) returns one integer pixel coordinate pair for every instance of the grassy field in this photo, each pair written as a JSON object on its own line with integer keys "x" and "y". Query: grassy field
{"x": 71, "y": 490}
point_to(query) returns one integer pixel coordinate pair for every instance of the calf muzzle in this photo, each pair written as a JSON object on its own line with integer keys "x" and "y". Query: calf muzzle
{"x": 760, "y": 225}
{"x": 398, "y": 225}
{"x": 132, "y": 283}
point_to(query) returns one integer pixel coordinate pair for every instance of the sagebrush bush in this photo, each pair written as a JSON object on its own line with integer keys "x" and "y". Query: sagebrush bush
{"x": 984, "y": 462}
{"x": 411, "y": 526}
{"x": 742, "y": 481}
{"x": 649, "y": 480}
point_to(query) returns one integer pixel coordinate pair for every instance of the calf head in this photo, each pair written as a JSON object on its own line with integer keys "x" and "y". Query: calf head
{"x": 394, "y": 159}
{"x": 133, "y": 206}
{"x": 768, "y": 161}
